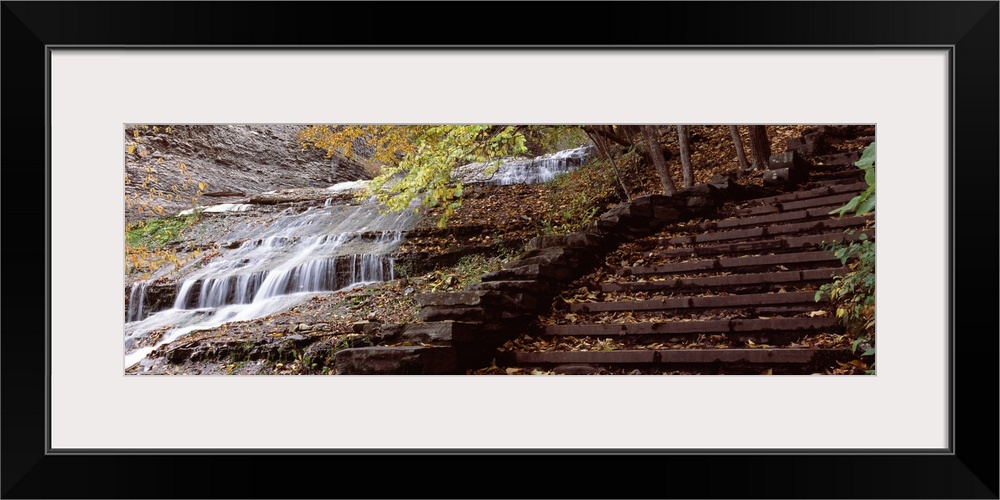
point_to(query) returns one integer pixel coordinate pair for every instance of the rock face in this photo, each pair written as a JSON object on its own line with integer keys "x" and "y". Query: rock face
{"x": 234, "y": 161}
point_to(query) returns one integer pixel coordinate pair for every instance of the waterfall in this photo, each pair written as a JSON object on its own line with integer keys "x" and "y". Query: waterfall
{"x": 270, "y": 261}
{"x": 136, "y": 301}
{"x": 526, "y": 171}
{"x": 275, "y": 261}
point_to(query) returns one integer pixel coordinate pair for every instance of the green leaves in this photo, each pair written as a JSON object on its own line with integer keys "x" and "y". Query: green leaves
{"x": 851, "y": 205}
{"x": 867, "y": 158}
{"x": 866, "y": 206}
{"x": 854, "y": 345}
{"x": 424, "y": 172}
{"x": 854, "y": 293}
{"x": 864, "y": 202}
{"x": 415, "y": 162}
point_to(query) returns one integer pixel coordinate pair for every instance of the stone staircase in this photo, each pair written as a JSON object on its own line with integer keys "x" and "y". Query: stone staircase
{"x": 734, "y": 293}
{"x": 713, "y": 279}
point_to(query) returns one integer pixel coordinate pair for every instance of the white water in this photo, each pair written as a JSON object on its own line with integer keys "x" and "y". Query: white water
{"x": 348, "y": 186}
{"x": 280, "y": 260}
{"x": 526, "y": 171}
{"x": 136, "y": 301}
{"x": 218, "y": 209}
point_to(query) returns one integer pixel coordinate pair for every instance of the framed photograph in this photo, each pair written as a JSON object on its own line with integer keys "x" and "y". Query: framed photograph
{"x": 81, "y": 75}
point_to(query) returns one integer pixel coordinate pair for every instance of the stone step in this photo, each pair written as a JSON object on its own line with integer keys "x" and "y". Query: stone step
{"x": 692, "y": 327}
{"x": 772, "y": 245}
{"x": 677, "y": 356}
{"x": 735, "y": 280}
{"x": 833, "y": 223}
{"x": 727, "y": 263}
{"x": 854, "y": 187}
{"x": 760, "y": 220}
{"x": 779, "y": 207}
{"x": 816, "y": 182}
{"x": 760, "y": 232}
{"x": 851, "y": 174}
{"x": 697, "y": 302}
{"x": 837, "y": 160}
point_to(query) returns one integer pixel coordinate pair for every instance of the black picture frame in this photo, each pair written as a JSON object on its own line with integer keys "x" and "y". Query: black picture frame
{"x": 969, "y": 470}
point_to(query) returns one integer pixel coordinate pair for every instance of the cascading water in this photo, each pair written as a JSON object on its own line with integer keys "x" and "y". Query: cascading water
{"x": 274, "y": 262}
{"x": 527, "y": 171}
{"x": 136, "y": 301}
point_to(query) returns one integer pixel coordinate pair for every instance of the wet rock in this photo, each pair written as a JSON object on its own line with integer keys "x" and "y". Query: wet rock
{"x": 178, "y": 355}
{"x": 157, "y": 297}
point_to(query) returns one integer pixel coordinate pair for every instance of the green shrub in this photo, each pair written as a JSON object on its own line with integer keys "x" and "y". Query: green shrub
{"x": 854, "y": 294}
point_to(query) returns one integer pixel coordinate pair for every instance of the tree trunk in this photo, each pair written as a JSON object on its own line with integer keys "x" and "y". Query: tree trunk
{"x": 682, "y": 140}
{"x": 656, "y": 154}
{"x": 760, "y": 147}
{"x": 740, "y": 152}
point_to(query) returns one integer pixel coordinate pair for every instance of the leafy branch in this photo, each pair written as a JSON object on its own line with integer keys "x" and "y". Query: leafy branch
{"x": 864, "y": 202}
{"x": 854, "y": 293}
